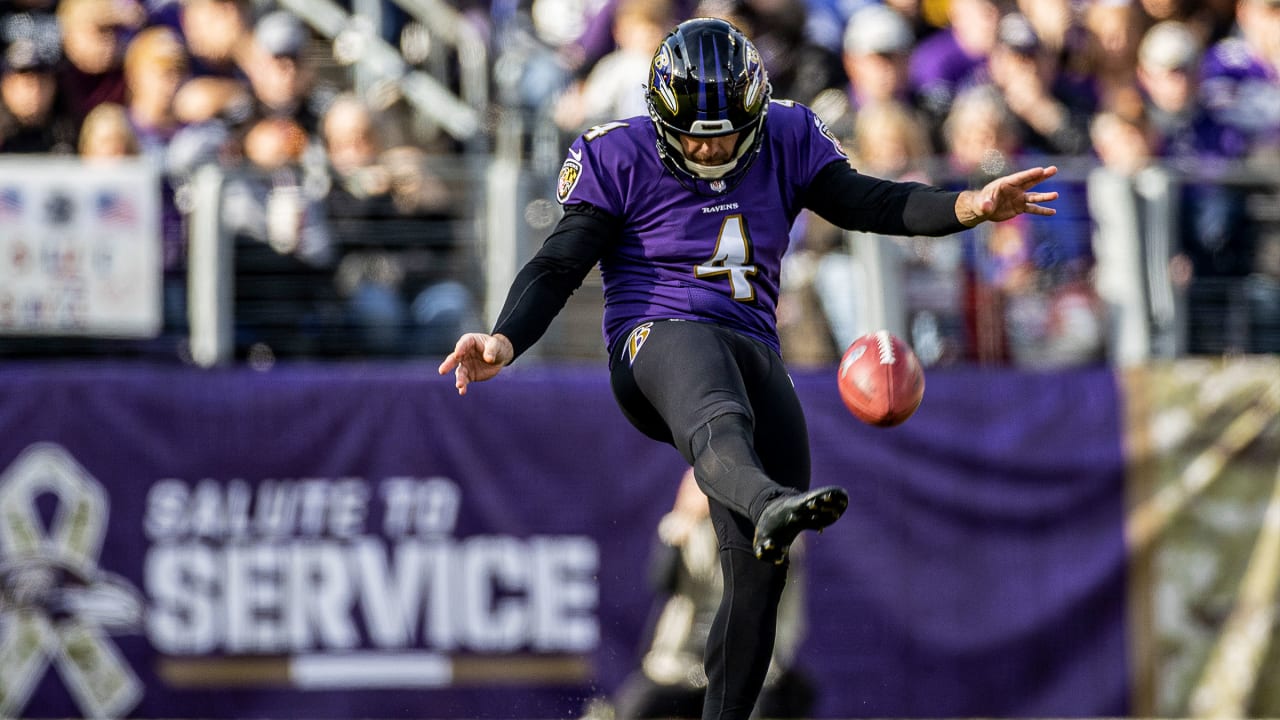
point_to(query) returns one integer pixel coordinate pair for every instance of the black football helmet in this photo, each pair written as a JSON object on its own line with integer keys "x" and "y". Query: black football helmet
{"x": 707, "y": 80}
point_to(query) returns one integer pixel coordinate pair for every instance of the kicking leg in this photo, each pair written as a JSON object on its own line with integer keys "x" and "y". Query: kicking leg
{"x": 727, "y": 468}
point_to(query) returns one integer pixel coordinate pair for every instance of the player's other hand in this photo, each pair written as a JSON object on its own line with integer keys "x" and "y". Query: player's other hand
{"x": 1007, "y": 197}
{"x": 477, "y": 357}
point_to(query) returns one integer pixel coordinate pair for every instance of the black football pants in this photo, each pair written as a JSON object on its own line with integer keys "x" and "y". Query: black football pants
{"x": 725, "y": 401}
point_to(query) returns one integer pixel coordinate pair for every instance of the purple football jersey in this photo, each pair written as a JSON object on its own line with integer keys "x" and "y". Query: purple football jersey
{"x": 688, "y": 255}
{"x": 1241, "y": 92}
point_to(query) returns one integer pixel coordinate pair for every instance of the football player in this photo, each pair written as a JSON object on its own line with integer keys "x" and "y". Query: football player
{"x": 688, "y": 213}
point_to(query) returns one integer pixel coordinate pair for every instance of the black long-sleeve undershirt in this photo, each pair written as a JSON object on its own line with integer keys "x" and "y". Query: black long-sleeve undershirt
{"x": 544, "y": 284}
{"x": 838, "y": 193}
{"x": 853, "y": 201}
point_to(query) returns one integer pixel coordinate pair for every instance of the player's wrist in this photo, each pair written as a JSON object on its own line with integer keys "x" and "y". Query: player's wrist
{"x": 969, "y": 208}
{"x": 506, "y": 350}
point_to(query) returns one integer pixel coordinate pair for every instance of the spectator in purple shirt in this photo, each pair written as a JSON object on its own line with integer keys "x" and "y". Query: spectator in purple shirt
{"x": 946, "y": 61}
{"x": 1240, "y": 91}
{"x": 1240, "y": 82}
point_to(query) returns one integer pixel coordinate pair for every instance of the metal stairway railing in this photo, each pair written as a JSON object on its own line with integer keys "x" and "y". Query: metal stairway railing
{"x": 460, "y": 118}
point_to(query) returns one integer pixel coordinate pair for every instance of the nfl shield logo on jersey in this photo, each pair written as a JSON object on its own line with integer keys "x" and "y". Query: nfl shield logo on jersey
{"x": 569, "y": 174}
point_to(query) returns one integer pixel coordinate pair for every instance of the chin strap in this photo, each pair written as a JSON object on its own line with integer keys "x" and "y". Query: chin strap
{"x": 710, "y": 172}
{"x": 708, "y": 187}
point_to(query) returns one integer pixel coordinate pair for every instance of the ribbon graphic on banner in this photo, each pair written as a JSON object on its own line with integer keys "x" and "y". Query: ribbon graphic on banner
{"x": 55, "y": 604}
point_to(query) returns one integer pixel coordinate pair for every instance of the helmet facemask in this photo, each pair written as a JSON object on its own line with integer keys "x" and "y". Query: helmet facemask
{"x": 706, "y": 80}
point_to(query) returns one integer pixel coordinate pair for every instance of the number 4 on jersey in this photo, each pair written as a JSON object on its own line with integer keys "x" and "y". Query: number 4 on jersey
{"x": 732, "y": 257}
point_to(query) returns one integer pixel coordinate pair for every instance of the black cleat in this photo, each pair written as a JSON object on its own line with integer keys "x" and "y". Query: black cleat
{"x": 784, "y": 518}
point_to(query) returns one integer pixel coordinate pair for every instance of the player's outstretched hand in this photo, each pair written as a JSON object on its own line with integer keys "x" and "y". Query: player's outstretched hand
{"x": 1007, "y": 197}
{"x": 477, "y": 357}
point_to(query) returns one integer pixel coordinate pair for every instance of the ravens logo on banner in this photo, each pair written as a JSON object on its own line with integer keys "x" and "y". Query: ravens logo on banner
{"x": 569, "y": 174}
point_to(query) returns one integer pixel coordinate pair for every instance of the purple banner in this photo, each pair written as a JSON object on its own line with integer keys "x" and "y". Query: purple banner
{"x": 982, "y": 571}
{"x": 342, "y": 541}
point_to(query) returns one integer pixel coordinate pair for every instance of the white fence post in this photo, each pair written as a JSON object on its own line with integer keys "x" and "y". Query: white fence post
{"x": 209, "y": 272}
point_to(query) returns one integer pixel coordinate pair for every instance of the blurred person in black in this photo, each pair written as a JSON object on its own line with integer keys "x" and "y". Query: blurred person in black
{"x": 283, "y": 247}
{"x": 28, "y": 91}
{"x": 944, "y": 63}
{"x": 353, "y": 139}
{"x": 270, "y": 202}
{"x": 94, "y": 36}
{"x": 280, "y": 74}
{"x": 1051, "y": 107}
{"x": 391, "y": 220}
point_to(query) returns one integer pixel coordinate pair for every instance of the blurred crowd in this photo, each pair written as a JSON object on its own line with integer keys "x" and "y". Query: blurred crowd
{"x": 315, "y": 174}
{"x": 951, "y": 92}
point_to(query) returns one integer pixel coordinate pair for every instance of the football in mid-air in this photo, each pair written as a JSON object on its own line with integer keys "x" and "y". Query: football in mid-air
{"x": 880, "y": 379}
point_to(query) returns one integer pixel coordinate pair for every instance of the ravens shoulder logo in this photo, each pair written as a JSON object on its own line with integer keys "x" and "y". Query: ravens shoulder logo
{"x": 569, "y": 174}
